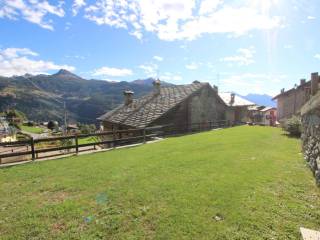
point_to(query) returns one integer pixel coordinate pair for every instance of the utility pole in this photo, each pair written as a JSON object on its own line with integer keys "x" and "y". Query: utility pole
{"x": 65, "y": 116}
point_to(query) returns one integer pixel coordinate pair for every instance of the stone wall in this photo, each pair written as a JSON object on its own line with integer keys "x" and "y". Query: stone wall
{"x": 310, "y": 116}
{"x": 202, "y": 107}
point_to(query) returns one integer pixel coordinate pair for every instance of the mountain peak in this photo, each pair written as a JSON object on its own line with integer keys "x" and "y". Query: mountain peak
{"x": 63, "y": 72}
{"x": 66, "y": 74}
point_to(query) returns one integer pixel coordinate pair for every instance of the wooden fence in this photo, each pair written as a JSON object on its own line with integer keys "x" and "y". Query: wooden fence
{"x": 30, "y": 150}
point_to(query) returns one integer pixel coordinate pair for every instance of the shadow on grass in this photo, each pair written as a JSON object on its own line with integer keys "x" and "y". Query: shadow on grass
{"x": 291, "y": 135}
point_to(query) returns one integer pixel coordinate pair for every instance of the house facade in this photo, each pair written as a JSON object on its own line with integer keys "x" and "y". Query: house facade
{"x": 289, "y": 103}
{"x": 264, "y": 116}
{"x": 179, "y": 107}
{"x": 237, "y": 111}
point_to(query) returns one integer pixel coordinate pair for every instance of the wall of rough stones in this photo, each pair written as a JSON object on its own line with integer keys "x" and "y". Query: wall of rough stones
{"x": 310, "y": 117}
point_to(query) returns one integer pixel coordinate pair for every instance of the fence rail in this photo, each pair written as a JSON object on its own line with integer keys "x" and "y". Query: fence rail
{"x": 108, "y": 139}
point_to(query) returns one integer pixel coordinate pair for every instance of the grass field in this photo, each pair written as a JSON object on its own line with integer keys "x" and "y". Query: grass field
{"x": 237, "y": 183}
{"x": 29, "y": 129}
{"x": 88, "y": 140}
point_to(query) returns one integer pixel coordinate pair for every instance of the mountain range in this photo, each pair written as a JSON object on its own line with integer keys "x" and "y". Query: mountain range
{"x": 42, "y": 97}
{"x": 261, "y": 99}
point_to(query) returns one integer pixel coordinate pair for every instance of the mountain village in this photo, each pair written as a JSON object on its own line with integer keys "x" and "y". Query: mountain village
{"x": 159, "y": 120}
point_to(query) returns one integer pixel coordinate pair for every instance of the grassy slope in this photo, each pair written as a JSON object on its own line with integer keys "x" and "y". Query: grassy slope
{"x": 253, "y": 177}
{"x": 29, "y": 129}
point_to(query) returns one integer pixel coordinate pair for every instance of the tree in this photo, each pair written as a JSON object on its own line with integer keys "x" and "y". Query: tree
{"x": 87, "y": 128}
{"x": 15, "y": 116}
{"x": 52, "y": 125}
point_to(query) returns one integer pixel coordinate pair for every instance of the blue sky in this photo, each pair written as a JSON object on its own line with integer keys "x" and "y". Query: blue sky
{"x": 246, "y": 46}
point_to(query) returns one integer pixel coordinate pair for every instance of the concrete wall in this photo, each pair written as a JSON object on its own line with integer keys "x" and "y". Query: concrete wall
{"x": 310, "y": 116}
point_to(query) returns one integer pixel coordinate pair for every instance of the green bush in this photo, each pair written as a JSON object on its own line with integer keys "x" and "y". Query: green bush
{"x": 293, "y": 126}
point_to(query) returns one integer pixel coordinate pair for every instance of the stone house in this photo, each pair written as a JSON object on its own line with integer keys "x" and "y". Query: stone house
{"x": 264, "y": 116}
{"x": 269, "y": 116}
{"x": 290, "y": 102}
{"x": 237, "y": 112}
{"x": 180, "y": 107}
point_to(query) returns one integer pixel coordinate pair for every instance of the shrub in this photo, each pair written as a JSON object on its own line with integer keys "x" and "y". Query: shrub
{"x": 87, "y": 128}
{"x": 293, "y": 126}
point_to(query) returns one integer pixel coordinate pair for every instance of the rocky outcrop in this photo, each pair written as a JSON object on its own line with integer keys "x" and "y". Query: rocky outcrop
{"x": 310, "y": 114}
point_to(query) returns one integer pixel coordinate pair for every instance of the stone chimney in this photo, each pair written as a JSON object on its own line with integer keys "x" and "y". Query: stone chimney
{"x": 282, "y": 90}
{"x": 216, "y": 88}
{"x": 156, "y": 86}
{"x": 128, "y": 97}
{"x": 314, "y": 83}
{"x": 302, "y": 81}
{"x": 232, "y": 98}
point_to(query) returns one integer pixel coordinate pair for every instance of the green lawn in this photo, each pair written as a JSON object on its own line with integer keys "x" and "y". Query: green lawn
{"x": 237, "y": 183}
{"x": 30, "y": 129}
{"x": 88, "y": 140}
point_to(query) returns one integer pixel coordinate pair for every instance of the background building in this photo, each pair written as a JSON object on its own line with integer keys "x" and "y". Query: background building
{"x": 237, "y": 112}
{"x": 290, "y": 102}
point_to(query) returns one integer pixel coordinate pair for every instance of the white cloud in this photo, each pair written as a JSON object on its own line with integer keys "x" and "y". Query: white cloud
{"x": 311, "y": 18}
{"x": 317, "y": 56}
{"x": 157, "y": 58}
{"x": 77, "y": 5}
{"x": 180, "y": 19}
{"x": 113, "y": 72}
{"x": 34, "y": 11}
{"x": 15, "y": 52}
{"x": 244, "y": 57}
{"x": 19, "y": 61}
{"x": 208, "y": 6}
{"x": 252, "y": 83}
{"x": 170, "y": 77}
{"x": 288, "y": 46}
{"x": 150, "y": 69}
{"x": 193, "y": 66}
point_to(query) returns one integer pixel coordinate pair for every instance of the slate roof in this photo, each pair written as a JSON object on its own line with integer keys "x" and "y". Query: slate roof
{"x": 238, "y": 101}
{"x": 304, "y": 85}
{"x": 143, "y": 111}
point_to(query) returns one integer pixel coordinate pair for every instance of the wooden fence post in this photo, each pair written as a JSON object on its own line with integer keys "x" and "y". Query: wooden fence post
{"x": 32, "y": 149}
{"x": 113, "y": 138}
{"x": 144, "y": 135}
{"x": 77, "y": 144}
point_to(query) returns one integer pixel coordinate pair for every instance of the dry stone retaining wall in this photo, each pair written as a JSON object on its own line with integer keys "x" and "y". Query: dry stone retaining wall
{"x": 310, "y": 117}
